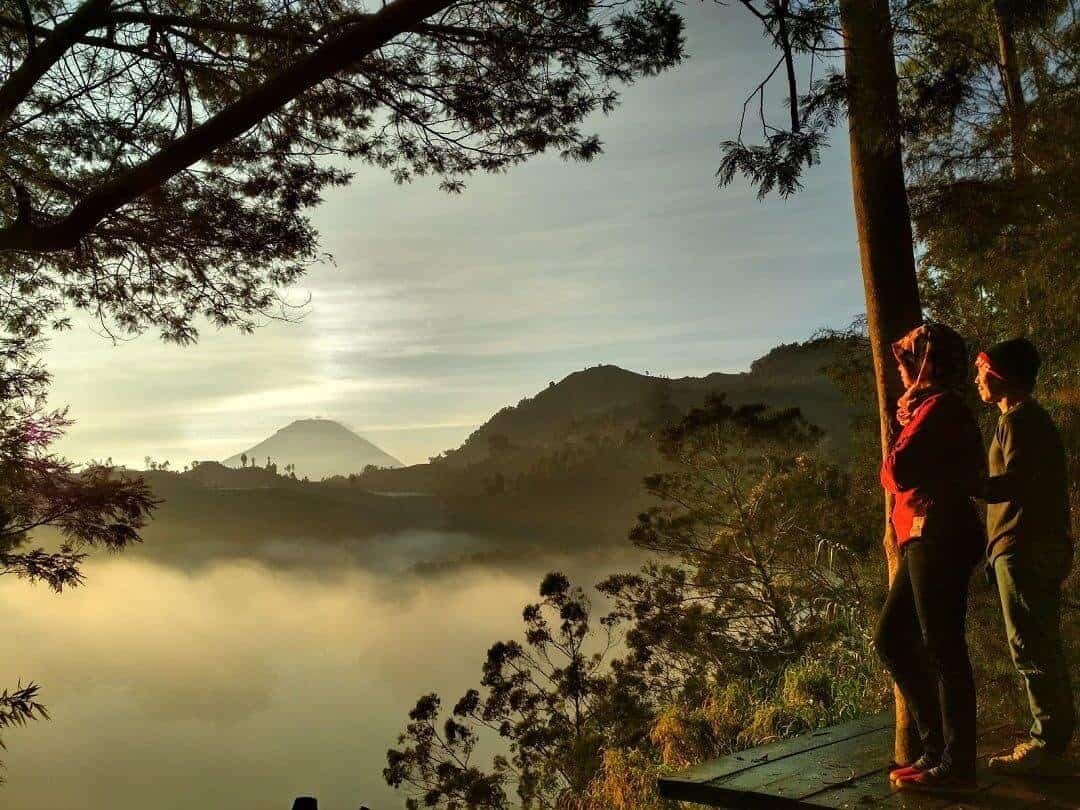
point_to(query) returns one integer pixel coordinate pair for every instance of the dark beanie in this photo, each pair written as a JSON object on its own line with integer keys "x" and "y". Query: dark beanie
{"x": 1016, "y": 360}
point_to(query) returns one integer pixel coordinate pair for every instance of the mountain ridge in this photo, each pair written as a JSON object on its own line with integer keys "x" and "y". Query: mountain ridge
{"x": 789, "y": 375}
{"x": 604, "y": 400}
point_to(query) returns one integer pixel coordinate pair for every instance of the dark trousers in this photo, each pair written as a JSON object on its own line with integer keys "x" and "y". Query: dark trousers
{"x": 921, "y": 639}
{"x": 1031, "y": 605}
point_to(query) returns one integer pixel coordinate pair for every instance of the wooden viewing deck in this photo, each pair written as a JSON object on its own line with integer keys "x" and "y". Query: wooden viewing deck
{"x": 845, "y": 766}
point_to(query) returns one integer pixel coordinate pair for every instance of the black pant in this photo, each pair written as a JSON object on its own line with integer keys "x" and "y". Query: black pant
{"x": 921, "y": 639}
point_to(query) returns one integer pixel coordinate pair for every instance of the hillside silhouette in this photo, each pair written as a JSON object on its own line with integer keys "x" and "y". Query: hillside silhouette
{"x": 317, "y": 448}
{"x": 560, "y": 468}
{"x": 788, "y": 376}
{"x": 595, "y": 427}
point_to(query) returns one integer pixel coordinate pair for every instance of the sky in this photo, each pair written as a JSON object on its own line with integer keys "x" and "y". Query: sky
{"x": 438, "y": 310}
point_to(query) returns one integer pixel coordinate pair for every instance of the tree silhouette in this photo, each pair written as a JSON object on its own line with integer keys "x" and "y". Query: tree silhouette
{"x": 995, "y": 179}
{"x": 549, "y": 699}
{"x": 243, "y": 459}
{"x": 232, "y": 116}
{"x": 864, "y": 31}
{"x": 753, "y": 545}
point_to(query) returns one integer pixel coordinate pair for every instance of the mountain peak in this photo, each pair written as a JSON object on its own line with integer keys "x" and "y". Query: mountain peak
{"x": 318, "y": 448}
{"x": 315, "y": 425}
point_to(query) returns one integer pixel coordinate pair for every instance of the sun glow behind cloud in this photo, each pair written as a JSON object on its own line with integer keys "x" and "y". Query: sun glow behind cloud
{"x": 439, "y": 310}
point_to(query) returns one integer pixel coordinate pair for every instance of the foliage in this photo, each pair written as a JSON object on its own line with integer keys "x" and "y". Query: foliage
{"x": 996, "y": 183}
{"x": 91, "y": 507}
{"x": 755, "y": 561}
{"x": 157, "y": 158}
{"x": 549, "y": 701}
{"x": 828, "y": 684}
{"x": 805, "y": 35}
{"x": 626, "y": 780}
{"x": 20, "y": 706}
{"x": 747, "y": 627}
{"x": 953, "y": 86}
{"x": 999, "y": 220}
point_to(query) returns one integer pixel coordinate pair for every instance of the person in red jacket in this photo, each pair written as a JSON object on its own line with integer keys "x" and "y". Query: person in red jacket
{"x": 933, "y": 467}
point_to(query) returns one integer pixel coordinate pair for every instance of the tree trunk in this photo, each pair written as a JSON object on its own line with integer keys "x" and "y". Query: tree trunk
{"x": 885, "y": 238}
{"x": 1009, "y": 65}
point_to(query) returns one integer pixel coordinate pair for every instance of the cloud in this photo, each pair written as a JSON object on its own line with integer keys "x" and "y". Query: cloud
{"x": 312, "y": 393}
{"x": 440, "y": 309}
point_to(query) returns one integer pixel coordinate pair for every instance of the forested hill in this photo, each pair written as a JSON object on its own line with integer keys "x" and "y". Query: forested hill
{"x": 788, "y": 376}
{"x": 564, "y": 464}
{"x": 594, "y": 430}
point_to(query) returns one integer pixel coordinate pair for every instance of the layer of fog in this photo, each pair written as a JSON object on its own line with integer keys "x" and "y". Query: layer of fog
{"x": 240, "y": 684}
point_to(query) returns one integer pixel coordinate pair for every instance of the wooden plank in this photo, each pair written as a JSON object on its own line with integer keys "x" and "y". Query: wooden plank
{"x": 705, "y": 793}
{"x": 816, "y": 771}
{"x": 801, "y": 770}
{"x": 882, "y": 794}
{"x": 845, "y": 767}
{"x": 877, "y": 790}
{"x": 995, "y": 792}
{"x": 753, "y": 757}
{"x": 1018, "y": 792}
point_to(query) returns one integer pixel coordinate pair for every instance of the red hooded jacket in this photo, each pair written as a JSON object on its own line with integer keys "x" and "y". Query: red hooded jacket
{"x": 933, "y": 467}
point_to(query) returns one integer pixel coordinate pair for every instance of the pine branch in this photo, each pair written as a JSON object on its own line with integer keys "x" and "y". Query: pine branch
{"x": 337, "y": 54}
{"x": 50, "y": 51}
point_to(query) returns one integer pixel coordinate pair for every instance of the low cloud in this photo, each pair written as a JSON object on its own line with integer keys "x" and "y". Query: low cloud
{"x": 236, "y": 685}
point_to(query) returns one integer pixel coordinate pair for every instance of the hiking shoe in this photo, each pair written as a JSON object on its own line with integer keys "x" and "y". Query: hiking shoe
{"x": 1029, "y": 757}
{"x": 923, "y": 763}
{"x": 938, "y": 779}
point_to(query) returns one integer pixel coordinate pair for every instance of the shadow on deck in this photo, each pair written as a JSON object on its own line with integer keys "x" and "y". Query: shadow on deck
{"x": 845, "y": 766}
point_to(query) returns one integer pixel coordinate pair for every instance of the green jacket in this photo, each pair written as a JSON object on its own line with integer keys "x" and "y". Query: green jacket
{"x": 1027, "y": 510}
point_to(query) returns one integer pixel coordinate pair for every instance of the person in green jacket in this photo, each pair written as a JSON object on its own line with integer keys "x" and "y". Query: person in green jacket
{"x": 1029, "y": 548}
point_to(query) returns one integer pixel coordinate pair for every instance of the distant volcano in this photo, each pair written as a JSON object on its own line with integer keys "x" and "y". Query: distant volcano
{"x": 319, "y": 448}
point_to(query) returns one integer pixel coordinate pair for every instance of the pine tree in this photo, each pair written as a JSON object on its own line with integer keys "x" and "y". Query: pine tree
{"x": 235, "y": 116}
{"x": 867, "y": 92}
